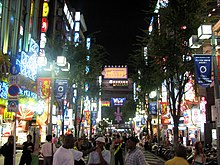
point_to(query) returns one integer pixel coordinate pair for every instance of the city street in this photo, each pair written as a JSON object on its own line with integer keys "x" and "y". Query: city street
{"x": 152, "y": 159}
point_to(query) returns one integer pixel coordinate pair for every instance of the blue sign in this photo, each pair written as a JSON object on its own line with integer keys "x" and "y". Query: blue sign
{"x": 153, "y": 108}
{"x": 13, "y": 105}
{"x": 13, "y": 90}
{"x": 203, "y": 69}
{"x": 14, "y": 69}
{"x": 60, "y": 88}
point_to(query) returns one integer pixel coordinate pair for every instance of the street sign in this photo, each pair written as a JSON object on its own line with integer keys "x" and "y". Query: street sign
{"x": 13, "y": 90}
{"x": 14, "y": 69}
{"x": 13, "y": 105}
{"x": 14, "y": 79}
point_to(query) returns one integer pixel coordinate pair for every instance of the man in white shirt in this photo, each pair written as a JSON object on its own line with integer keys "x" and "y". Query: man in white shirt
{"x": 46, "y": 150}
{"x": 100, "y": 156}
{"x": 64, "y": 155}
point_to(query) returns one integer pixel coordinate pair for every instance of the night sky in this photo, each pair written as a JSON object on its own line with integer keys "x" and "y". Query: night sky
{"x": 115, "y": 24}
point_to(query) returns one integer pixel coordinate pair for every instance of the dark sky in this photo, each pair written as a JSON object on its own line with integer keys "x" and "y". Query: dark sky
{"x": 117, "y": 23}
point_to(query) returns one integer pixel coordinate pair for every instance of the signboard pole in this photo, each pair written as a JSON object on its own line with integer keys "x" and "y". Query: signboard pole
{"x": 14, "y": 153}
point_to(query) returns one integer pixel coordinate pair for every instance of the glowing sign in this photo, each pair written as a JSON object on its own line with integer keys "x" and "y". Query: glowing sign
{"x": 115, "y": 73}
{"x": 105, "y": 103}
{"x": 117, "y": 101}
{"x": 3, "y": 90}
{"x": 119, "y": 83}
{"x": 28, "y": 61}
{"x": 45, "y": 9}
{"x": 68, "y": 16}
{"x": 44, "y": 26}
{"x": 43, "y": 40}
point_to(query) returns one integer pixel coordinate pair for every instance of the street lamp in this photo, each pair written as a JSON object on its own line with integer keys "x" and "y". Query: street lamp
{"x": 206, "y": 32}
{"x": 65, "y": 66}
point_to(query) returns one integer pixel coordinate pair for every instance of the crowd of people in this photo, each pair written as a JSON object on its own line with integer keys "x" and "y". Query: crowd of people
{"x": 118, "y": 149}
{"x": 99, "y": 150}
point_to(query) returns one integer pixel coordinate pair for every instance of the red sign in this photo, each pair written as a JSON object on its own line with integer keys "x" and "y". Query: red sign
{"x": 44, "y": 26}
{"x": 43, "y": 87}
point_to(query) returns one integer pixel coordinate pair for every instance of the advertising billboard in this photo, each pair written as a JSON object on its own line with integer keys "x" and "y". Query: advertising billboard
{"x": 118, "y": 101}
{"x": 115, "y": 73}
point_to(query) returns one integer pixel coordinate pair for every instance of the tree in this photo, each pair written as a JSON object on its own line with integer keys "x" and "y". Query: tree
{"x": 168, "y": 52}
{"x": 168, "y": 45}
{"x": 79, "y": 58}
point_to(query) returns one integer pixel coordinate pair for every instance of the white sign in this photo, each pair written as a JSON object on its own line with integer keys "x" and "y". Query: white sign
{"x": 14, "y": 79}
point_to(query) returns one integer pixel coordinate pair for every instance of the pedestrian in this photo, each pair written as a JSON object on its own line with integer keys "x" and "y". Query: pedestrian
{"x": 54, "y": 139}
{"x": 7, "y": 151}
{"x": 28, "y": 149}
{"x": 118, "y": 153}
{"x": 108, "y": 142}
{"x": 199, "y": 157}
{"x": 47, "y": 150}
{"x": 179, "y": 158}
{"x": 134, "y": 156}
{"x": 100, "y": 155}
{"x": 63, "y": 155}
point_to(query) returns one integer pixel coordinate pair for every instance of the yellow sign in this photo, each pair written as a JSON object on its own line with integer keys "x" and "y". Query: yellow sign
{"x": 45, "y": 9}
{"x": 115, "y": 73}
{"x": 8, "y": 115}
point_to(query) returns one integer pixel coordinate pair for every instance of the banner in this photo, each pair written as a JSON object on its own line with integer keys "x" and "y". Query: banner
{"x": 203, "y": 68}
{"x": 43, "y": 87}
{"x": 60, "y": 88}
{"x": 153, "y": 108}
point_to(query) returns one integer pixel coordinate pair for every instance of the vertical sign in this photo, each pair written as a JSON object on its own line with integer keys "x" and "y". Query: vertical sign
{"x": 203, "y": 68}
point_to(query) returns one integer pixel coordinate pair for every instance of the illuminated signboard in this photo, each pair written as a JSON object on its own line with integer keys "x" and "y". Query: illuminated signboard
{"x": 68, "y": 16}
{"x": 44, "y": 26}
{"x": 119, "y": 83}
{"x": 3, "y": 90}
{"x": 117, "y": 101}
{"x": 28, "y": 61}
{"x": 105, "y": 103}
{"x": 45, "y": 11}
{"x": 115, "y": 73}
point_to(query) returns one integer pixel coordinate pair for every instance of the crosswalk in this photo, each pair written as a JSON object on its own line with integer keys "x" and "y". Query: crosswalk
{"x": 152, "y": 159}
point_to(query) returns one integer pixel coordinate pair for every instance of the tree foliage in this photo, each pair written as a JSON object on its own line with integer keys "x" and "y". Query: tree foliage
{"x": 168, "y": 55}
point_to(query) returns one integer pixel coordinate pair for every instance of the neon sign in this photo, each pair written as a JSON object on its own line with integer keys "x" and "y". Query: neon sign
{"x": 28, "y": 61}
{"x": 3, "y": 90}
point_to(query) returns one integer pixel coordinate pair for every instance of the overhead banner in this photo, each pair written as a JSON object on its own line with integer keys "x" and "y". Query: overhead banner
{"x": 43, "y": 87}
{"x": 61, "y": 88}
{"x": 153, "y": 108}
{"x": 203, "y": 69}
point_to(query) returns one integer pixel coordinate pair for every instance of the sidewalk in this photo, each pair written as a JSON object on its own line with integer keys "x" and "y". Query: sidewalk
{"x": 18, "y": 156}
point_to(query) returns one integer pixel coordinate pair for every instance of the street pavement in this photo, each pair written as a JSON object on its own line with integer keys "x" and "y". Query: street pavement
{"x": 152, "y": 159}
{"x": 18, "y": 156}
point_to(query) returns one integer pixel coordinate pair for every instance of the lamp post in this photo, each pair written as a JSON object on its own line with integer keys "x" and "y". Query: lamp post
{"x": 64, "y": 66}
{"x": 206, "y": 32}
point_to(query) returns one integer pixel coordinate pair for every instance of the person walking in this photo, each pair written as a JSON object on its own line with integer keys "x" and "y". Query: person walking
{"x": 179, "y": 158}
{"x": 100, "y": 156}
{"x": 28, "y": 149}
{"x": 118, "y": 153}
{"x": 47, "y": 150}
{"x": 134, "y": 156}
{"x": 63, "y": 155}
{"x": 199, "y": 157}
{"x": 7, "y": 151}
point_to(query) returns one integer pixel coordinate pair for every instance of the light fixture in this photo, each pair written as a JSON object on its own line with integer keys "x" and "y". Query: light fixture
{"x": 66, "y": 68}
{"x": 205, "y": 32}
{"x": 42, "y": 60}
{"x": 194, "y": 42}
{"x": 61, "y": 61}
